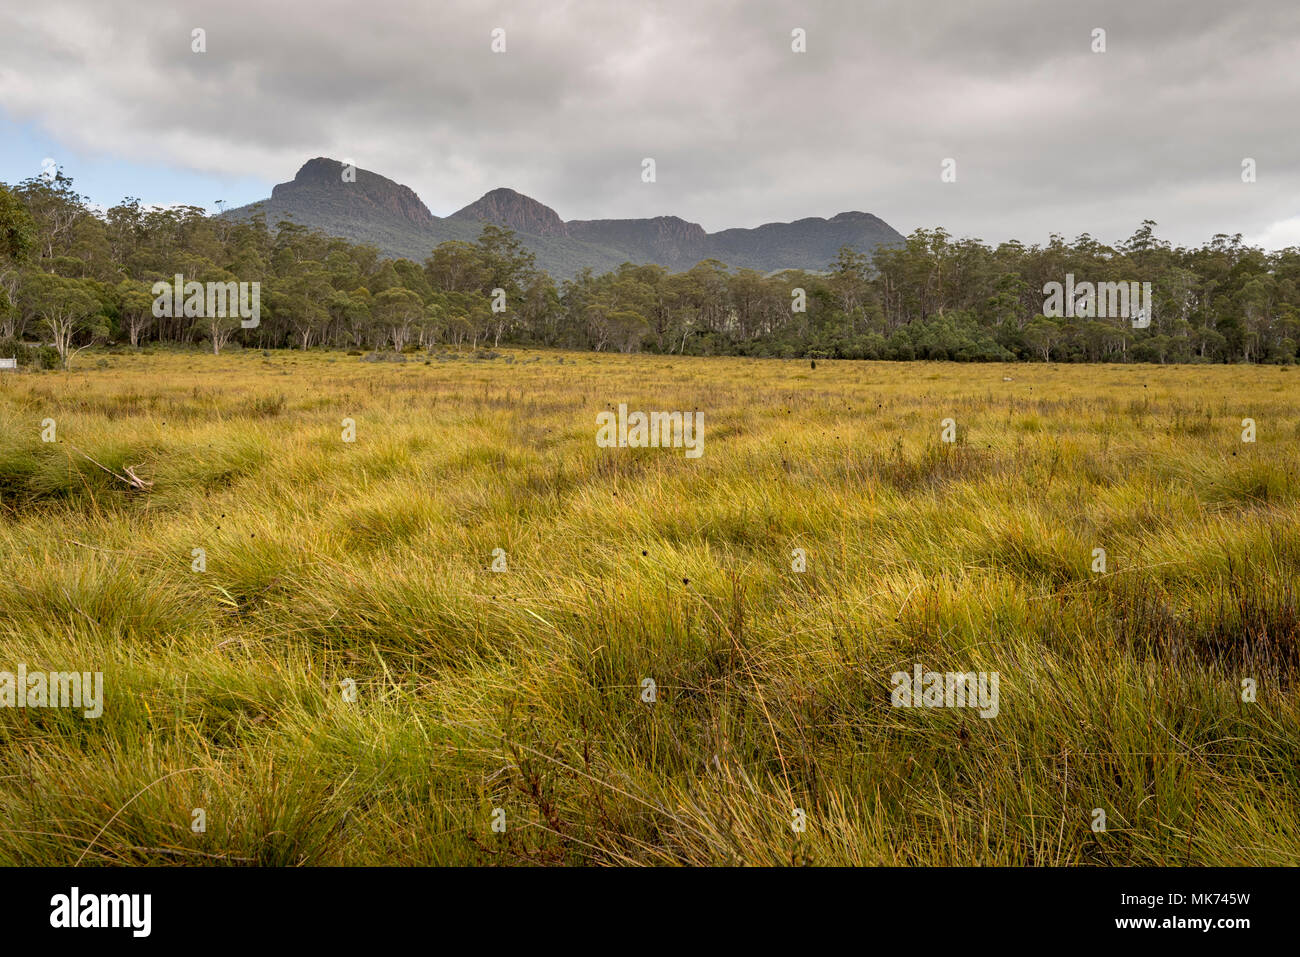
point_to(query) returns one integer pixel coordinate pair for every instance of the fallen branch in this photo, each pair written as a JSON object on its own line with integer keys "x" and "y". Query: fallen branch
{"x": 128, "y": 476}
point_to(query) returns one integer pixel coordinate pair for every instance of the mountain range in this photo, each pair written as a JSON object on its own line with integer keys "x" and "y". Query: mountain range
{"x": 373, "y": 209}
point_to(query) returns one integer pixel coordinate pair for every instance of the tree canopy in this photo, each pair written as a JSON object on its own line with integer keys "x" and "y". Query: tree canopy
{"x": 930, "y": 297}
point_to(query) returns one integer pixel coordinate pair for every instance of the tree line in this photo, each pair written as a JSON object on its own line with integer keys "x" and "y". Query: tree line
{"x": 72, "y": 276}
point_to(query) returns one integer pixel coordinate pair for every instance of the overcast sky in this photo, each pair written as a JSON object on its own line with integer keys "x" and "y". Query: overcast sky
{"x": 1047, "y": 135}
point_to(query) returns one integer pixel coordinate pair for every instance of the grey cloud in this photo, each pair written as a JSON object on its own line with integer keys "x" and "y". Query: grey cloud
{"x": 1048, "y": 136}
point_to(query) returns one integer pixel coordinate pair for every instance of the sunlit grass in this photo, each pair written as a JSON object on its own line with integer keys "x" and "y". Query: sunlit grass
{"x": 371, "y": 561}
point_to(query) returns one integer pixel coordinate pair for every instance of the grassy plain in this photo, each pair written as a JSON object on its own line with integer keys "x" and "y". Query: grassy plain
{"x": 329, "y": 563}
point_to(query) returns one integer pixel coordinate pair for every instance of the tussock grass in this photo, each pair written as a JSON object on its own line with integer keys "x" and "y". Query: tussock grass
{"x": 330, "y": 564}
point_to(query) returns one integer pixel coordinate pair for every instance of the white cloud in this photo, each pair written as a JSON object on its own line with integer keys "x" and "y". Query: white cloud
{"x": 1048, "y": 136}
{"x": 1279, "y": 235}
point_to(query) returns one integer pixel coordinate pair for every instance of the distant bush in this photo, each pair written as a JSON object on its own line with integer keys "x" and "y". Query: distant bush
{"x": 30, "y": 355}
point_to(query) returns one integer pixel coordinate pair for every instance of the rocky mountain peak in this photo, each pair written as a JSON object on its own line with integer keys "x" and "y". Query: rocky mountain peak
{"x": 369, "y": 193}
{"x": 521, "y": 213}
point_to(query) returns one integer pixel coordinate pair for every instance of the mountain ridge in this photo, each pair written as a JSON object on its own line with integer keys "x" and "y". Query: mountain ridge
{"x": 369, "y": 207}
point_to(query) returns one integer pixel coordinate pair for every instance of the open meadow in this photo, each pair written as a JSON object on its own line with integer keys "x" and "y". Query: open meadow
{"x": 675, "y": 660}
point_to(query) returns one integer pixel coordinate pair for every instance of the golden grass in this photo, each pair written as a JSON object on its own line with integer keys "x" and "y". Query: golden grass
{"x": 476, "y": 690}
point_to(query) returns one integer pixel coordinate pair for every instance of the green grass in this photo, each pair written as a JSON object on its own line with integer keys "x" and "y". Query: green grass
{"x": 371, "y": 561}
